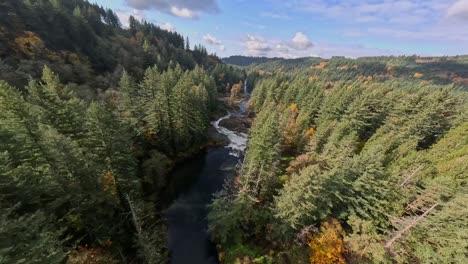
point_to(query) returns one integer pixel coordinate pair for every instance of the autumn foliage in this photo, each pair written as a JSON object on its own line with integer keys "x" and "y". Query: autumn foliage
{"x": 291, "y": 135}
{"x": 29, "y": 43}
{"x": 108, "y": 182}
{"x": 236, "y": 89}
{"x": 327, "y": 246}
{"x": 418, "y": 75}
{"x": 91, "y": 255}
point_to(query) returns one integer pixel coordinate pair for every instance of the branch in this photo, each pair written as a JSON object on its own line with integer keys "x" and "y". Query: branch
{"x": 400, "y": 233}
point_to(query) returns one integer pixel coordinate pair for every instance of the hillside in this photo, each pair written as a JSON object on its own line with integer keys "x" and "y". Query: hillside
{"x": 93, "y": 119}
{"x": 128, "y": 145}
{"x": 351, "y": 161}
{"x": 85, "y": 44}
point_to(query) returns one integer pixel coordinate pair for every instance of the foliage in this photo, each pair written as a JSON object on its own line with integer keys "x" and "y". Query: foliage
{"x": 327, "y": 246}
{"x": 86, "y": 44}
{"x": 376, "y": 143}
{"x": 68, "y": 167}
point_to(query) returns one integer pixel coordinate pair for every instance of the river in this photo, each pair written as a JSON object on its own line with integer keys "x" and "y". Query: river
{"x": 198, "y": 180}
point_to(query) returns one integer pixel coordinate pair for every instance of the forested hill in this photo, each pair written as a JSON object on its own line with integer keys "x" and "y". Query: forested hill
{"x": 93, "y": 117}
{"x": 85, "y": 44}
{"x": 351, "y": 161}
{"x": 247, "y": 61}
{"x": 440, "y": 70}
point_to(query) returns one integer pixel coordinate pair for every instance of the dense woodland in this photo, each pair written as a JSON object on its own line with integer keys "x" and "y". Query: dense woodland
{"x": 348, "y": 160}
{"x": 93, "y": 117}
{"x": 351, "y": 161}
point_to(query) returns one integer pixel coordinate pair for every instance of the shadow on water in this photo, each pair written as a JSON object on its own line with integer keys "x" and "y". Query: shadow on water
{"x": 195, "y": 183}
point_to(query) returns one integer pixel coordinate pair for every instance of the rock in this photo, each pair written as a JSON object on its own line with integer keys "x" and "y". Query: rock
{"x": 236, "y": 124}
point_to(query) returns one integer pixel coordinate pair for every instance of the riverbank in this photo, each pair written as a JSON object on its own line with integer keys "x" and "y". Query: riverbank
{"x": 195, "y": 181}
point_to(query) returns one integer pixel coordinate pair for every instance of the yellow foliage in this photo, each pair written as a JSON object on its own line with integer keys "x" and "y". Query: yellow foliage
{"x": 235, "y": 90}
{"x": 294, "y": 108}
{"x": 418, "y": 75}
{"x": 29, "y": 43}
{"x": 73, "y": 57}
{"x": 149, "y": 135}
{"x": 291, "y": 131}
{"x": 108, "y": 181}
{"x": 327, "y": 246}
{"x": 54, "y": 56}
{"x": 313, "y": 78}
{"x": 310, "y": 132}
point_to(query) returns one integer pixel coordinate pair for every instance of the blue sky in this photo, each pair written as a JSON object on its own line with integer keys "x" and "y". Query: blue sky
{"x": 300, "y": 28}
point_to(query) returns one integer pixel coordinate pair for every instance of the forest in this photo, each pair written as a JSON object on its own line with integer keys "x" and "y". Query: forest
{"x": 347, "y": 160}
{"x": 93, "y": 117}
{"x": 351, "y": 161}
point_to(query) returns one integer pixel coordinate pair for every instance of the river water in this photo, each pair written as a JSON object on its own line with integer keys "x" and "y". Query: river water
{"x": 198, "y": 180}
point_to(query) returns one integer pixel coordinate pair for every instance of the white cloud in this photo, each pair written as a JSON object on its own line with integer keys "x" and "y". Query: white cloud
{"x": 124, "y": 16}
{"x": 406, "y": 22}
{"x": 299, "y": 46}
{"x": 212, "y": 40}
{"x": 222, "y": 48}
{"x": 459, "y": 9}
{"x": 301, "y": 41}
{"x": 256, "y": 46}
{"x": 182, "y": 12}
{"x": 181, "y": 8}
{"x": 167, "y": 26}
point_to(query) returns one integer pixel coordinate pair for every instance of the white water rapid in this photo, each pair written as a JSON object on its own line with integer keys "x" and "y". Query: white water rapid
{"x": 237, "y": 141}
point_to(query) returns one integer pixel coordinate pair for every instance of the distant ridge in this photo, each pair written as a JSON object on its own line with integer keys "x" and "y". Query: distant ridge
{"x": 247, "y": 61}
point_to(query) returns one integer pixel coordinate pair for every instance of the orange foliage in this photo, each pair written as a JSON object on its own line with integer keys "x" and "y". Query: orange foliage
{"x": 327, "y": 246}
{"x": 321, "y": 65}
{"x": 310, "y": 132}
{"x": 89, "y": 255}
{"x": 459, "y": 80}
{"x": 418, "y": 75}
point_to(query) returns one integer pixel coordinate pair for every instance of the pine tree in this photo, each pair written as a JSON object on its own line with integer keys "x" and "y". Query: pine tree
{"x": 157, "y": 102}
{"x": 109, "y": 146}
{"x": 60, "y": 107}
{"x": 258, "y": 177}
{"x": 187, "y": 43}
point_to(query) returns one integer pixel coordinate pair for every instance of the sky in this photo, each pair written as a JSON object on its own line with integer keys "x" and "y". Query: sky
{"x": 303, "y": 28}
